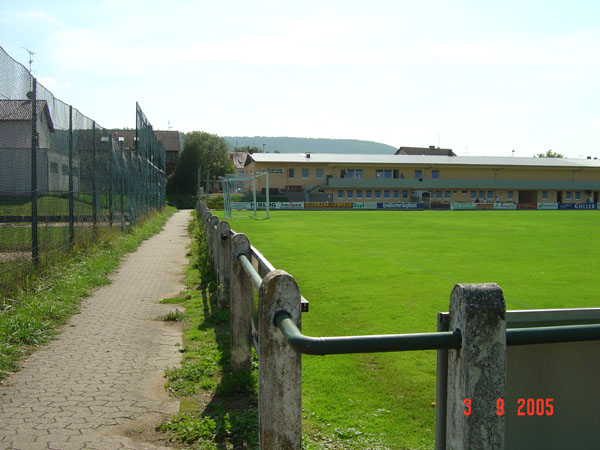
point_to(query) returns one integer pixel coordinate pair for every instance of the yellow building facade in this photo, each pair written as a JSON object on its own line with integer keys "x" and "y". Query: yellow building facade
{"x": 433, "y": 180}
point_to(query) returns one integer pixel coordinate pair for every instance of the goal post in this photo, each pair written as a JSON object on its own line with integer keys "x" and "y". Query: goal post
{"x": 246, "y": 197}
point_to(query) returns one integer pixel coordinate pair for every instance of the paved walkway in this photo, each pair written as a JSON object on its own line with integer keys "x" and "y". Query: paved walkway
{"x": 99, "y": 385}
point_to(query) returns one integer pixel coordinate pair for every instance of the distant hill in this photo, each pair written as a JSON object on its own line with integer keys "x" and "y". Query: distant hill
{"x": 302, "y": 145}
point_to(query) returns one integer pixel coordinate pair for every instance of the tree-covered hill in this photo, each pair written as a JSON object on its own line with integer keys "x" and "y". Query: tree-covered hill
{"x": 301, "y": 145}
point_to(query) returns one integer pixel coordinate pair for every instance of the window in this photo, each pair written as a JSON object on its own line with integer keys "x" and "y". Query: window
{"x": 396, "y": 195}
{"x": 358, "y": 173}
{"x": 404, "y": 194}
{"x": 544, "y": 195}
{"x": 304, "y": 172}
{"x": 490, "y": 195}
{"x": 359, "y": 193}
{"x": 577, "y": 195}
{"x": 54, "y": 167}
{"x": 473, "y": 195}
{"x": 65, "y": 169}
{"x": 340, "y": 193}
{"x": 510, "y": 195}
{"x": 568, "y": 196}
{"x": 379, "y": 174}
{"x": 349, "y": 193}
{"x": 481, "y": 195}
{"x": 386, "y": 194}
{"x": 349, "y": 173}
{"x": 435, "y": 174}
{"x": 369, "y": 193}
{"x": 291, "y": 173}
{"x": 438, "y": 195}
{"x": 418, "y": 174}
{"x": 377, "y": 193}
{"x": 447, "y": 195}
{"x": 319, "y": 173}
{"x": 396, "y": 173}
{"x": 387, "y": 174}
{"x": 343, "y": 173}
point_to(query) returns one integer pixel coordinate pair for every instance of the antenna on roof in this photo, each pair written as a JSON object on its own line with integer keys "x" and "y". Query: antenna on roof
{"x": 169, "y": 127}
{"x": 30, "y": 57}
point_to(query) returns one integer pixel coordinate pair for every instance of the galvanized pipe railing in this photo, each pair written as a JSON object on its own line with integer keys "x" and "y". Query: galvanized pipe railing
{"x": 423, "y": 341}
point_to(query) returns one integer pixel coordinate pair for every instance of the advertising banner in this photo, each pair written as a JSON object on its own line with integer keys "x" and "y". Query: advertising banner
{"x": 566, "y": 206}
{"x": 272, "y": 205}
{"x": 485, "y": 206}
{"x": 364, "y": 205}
{"x": 406, "y": 205}
{"x": 585, "y": 206}
{"x": 463, "y": 206}
{"x": 547, "y": 206}
{"x": 505, "y": 206}
{"x": 327, "y": 205}
{"x": 526, "y": 205}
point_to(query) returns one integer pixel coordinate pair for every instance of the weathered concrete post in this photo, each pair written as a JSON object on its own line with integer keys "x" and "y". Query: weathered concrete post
{"x": 280, "y": 367}
{"x": 206, "y": 215}
{"x": 476, "y": 371}
{"x": 214, "y": 247}
{"x": 241, "y": 296}
{"x": 223, "y": 263}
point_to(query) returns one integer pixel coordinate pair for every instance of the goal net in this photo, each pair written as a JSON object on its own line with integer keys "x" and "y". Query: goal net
{"x": 246, "y": 197}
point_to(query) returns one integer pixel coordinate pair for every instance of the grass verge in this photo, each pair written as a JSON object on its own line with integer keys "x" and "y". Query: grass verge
{"x": 30, "y": 316}
{"x": 218, "y": 406}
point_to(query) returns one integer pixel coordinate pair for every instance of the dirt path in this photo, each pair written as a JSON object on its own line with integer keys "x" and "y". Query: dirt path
{"x": 99, "y": 385}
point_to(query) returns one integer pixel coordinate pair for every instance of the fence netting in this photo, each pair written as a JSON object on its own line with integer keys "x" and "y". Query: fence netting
{"x": 85, "y": 181}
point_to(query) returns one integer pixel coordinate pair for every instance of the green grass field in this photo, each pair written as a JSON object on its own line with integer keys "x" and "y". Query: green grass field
{"x": 375, "y": 272}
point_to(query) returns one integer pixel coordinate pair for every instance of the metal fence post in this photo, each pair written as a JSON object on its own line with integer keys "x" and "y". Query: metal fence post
{"x": 280, "y": 367}
{"x": 111, "y": 182}
{"x": 35, "y": 249}
{"x": 71, "y": 184}
{"x": 241, "y": 295}
{"x": 223, "y": 263}
{"x": 94, "y": 193}
{"x": 477, "y": 371}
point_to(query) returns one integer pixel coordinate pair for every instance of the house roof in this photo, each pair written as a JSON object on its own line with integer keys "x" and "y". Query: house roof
{"x": 170, "y": 139}
{"x": 431, "y": 150}
{"x": 127, "y": 135}
{"x": 335, "y": 158}
{"x": 21, "y": 110}
{"x": 239, "y": 159}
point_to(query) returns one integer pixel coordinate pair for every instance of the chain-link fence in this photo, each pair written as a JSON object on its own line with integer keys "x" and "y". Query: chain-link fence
{"x": 83, "y": 180}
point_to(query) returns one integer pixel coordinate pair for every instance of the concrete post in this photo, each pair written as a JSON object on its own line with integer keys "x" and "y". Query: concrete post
{"x": 214, "y": 247}
{"x": 280, "y": 367}
{"x": 241, "y": 296}
{"x": 223, "y": 263}
{"x": 476, "y": 371}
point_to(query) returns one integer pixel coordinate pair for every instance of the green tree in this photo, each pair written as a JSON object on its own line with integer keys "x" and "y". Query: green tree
{"x": 204, "y": 150}
{"x": 248, "y": 149}
{"x": 549, "y": 154}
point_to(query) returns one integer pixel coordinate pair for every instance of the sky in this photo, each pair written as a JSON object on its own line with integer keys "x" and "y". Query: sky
{"x": 482, "y": 77}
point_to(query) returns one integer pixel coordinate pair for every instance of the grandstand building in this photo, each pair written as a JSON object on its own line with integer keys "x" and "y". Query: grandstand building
{"x": 436, "y": 181}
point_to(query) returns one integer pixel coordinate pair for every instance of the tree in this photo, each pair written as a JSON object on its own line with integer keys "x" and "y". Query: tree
{"x": 248, "y": 149}
{"x": 549, "y": 154}
{"x": 204, "y": 150}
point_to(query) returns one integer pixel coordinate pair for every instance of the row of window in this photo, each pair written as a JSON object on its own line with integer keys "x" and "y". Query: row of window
{"x": 370, "y": 193}
{"x": 358, "y": 173}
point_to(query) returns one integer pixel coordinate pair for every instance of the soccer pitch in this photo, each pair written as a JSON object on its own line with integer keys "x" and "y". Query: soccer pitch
{"x": 377, "y": 272}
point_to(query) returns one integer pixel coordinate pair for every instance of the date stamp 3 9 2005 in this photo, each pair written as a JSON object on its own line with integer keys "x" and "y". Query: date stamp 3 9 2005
{"x": 525, "y": 406}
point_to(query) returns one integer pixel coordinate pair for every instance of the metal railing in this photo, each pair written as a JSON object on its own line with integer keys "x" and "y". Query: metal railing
{"x": 240, "y": 267}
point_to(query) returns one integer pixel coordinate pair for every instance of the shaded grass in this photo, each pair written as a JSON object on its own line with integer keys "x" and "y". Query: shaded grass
{"x": 218, "y": 406}
{"x": 391, "y": 272}
{"x": 53, "y": 292}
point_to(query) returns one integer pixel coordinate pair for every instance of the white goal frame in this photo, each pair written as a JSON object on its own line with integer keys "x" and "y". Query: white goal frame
{"x": 228, "y": 184}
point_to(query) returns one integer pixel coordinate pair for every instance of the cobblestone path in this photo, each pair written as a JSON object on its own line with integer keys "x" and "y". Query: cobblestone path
{"x": 99, "y": 384}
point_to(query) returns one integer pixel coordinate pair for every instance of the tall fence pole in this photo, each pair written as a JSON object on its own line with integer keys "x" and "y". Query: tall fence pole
{"x": 35, "y": 250}
{"x": 280, "y": 367}
{"x": 476, "y": 371}
{"x": 111, "y": 182}
{"x": 241, "y": 296}
{"x": 71, "y": 187}
{"x": 94, "y": 193}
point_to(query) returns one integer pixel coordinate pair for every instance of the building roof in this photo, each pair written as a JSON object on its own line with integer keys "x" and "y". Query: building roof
{"x": 170, "y": 139}
{"x": 431, "y": 150}
{"x": 239, "y": 159}
{"x": 21, "y": 110}
{"x": 128, "y": 137}
{"x": 335, "y": 158}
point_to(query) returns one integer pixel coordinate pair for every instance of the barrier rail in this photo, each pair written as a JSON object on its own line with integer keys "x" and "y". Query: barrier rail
{"x": 474, "y": 354}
